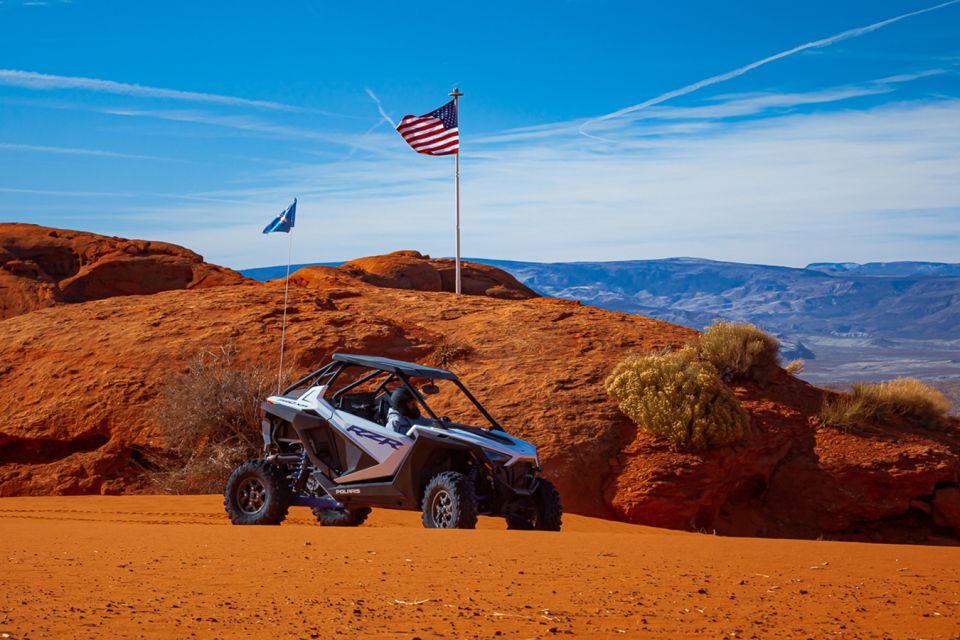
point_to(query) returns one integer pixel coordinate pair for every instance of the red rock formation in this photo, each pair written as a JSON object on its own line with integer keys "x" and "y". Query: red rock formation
{"x": 538, "y": 364}
{"x": 946, "y": 507}
{"x": 412, "y": 270}
{"x": 78, "y": 384}
{"x": 40, "y": 267}
{"x": 791, "y": 476}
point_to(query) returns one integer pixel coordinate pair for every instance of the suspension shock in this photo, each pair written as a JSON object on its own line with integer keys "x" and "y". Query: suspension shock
{"x": 303, "y": 471}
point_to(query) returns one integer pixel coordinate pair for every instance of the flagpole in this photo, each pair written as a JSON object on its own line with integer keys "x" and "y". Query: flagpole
{"x": 456, "y": 107}
{"x": 283, "y": 325}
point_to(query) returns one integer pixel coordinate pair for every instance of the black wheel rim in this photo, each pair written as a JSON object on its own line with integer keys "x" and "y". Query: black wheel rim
{"x": 251, "y": 495}
{"x": 441, "y": 508}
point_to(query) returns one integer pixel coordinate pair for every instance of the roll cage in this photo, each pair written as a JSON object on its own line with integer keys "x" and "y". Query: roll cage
{"x": 391, "y": 371}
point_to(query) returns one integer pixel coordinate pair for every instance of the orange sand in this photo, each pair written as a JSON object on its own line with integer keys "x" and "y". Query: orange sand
{"x": 143, "y": 566}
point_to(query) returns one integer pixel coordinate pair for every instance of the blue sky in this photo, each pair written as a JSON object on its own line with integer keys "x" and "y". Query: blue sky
{"x": 590, "y": 130}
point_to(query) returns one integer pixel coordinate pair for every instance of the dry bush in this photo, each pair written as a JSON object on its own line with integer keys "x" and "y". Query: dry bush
{"x": 678, "y": 397}
{"x": 740, "y": 351}
{"x": 448, "y": 351}
{"x": 794, "y": 367}
{"x": 204, "y": 473}
{"x": 209, "y": 420}
{"x": 906, "y": 398}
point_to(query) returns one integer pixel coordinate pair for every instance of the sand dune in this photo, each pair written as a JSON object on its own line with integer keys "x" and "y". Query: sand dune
{"x": 142, "y": 566}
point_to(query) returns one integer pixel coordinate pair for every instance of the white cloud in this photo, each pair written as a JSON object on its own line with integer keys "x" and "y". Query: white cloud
{"x": 877, "y": 184}
{"x": 735, "y": 73}
{"x": 781, "y": 187}
{"x": 717, "y": 107}
{"x": 249, "y": 124}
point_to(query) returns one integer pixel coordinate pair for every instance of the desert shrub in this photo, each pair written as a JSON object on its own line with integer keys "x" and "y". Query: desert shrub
{"x": 209, "y": 420}
{"x": 906, "y": 398}
{"x": 740, "y": 351}
{"x": 678, "y": 397}
{"x": 794, "y": 367}
{"x": 447, "y": 351}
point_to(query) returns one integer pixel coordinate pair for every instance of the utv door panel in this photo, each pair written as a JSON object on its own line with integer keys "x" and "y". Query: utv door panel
{"x": 319, "y": 435}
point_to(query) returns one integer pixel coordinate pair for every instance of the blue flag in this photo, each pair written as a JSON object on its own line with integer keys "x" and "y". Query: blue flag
{"x": 284, "y": 221}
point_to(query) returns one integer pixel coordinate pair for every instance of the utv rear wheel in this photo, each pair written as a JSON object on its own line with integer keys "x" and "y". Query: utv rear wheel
{"x": 347, "y": 517}
{"x": 542, "y": 511}
{"x": 257, "y": 493}
{"x": 449, "y": 503}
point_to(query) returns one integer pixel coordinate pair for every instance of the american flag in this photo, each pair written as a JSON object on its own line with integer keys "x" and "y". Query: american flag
{"x": 435, "y": 133}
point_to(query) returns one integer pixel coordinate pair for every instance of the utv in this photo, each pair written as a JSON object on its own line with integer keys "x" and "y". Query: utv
{"x": 326, "y": 446}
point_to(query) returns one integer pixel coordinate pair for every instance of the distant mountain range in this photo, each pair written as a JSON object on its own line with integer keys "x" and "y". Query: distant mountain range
{"x": 878, "y": 301}
{"x": 870, "y": 313}
{"x": 888, "y": 268}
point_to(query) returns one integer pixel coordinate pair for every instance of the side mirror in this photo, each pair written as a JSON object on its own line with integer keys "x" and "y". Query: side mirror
{"x": 429, "y": 389}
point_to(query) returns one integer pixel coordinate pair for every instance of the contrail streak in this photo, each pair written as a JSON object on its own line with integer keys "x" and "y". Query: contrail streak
{"x": 729, "y": 75}
{"x": 354, "y": 147}
{"x": 81, "y": 152}
{"x": 33, "y": 80}
{"x": 383, "y": 114}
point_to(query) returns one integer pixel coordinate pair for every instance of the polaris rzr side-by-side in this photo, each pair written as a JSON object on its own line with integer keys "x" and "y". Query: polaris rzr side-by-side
{"x": 327, "y": 445}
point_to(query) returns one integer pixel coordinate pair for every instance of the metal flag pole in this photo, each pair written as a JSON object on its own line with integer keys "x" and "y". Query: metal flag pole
{"x": 456, "y": 108}
{"x": 283, "y": 325}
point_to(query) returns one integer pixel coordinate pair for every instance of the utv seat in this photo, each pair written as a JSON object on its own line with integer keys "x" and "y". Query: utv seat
{"x": 359, "y": 404}
{"x": 380, "y": 408}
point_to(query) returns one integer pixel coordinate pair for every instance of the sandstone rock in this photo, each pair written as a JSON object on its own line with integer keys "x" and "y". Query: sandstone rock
{"x": 79, "y": 381}
{"x": 41, "y": 267}
{"x": 946, "y": 507}
{"x": 412, "y": 270}
{"x": 836, "y": 480}
{"x": 922, "y": 506}
{"x": 59, "y": 387}
{"x": 396, "y": 272}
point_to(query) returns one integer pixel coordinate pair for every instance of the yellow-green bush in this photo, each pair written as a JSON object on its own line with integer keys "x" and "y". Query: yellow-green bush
{"x": 740, "y": 351}
{"x": 678, "y": 397}
{"x": 906, "y": 398}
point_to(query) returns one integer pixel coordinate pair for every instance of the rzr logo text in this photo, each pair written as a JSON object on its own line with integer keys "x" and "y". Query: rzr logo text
{"x": 376, "y": 437}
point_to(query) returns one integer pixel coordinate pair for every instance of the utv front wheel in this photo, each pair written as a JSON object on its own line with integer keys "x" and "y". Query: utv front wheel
{"x": 257, "y": 493}
{"x": 546, "y": 500}
{"x": 449, "y": 503}
{"x": 347, "y": 517}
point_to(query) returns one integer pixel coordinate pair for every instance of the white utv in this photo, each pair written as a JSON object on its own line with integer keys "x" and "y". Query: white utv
{"x": 327, "y": 446}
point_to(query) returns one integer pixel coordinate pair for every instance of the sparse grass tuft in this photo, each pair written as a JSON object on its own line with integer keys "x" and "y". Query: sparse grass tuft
{"x": 678, "y": 397}
{"x": 794, "y": 367}
{"x": 209, "y": 421}
{"x": 905, "y": 398}
{"x": 740, "y": 351}
{"x": 448, "y": 351}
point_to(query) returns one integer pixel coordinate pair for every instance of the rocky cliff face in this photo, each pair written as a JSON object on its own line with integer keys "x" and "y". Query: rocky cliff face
{"x": 78, "y": 383}
{"x": 41, "y": 267}
{"x": 794, "y": 477}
